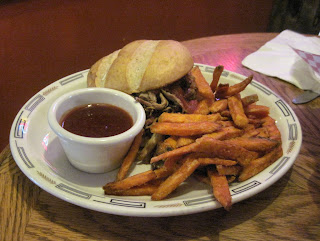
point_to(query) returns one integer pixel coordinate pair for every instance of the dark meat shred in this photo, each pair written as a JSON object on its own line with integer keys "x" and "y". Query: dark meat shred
{"x": 155, "y": 102}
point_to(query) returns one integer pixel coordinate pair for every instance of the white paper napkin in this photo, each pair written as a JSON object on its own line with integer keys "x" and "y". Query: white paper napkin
{"x": 291, "y": 57}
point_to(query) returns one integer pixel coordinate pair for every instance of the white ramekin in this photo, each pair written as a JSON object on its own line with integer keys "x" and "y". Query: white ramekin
{"x": 96, "y": 155}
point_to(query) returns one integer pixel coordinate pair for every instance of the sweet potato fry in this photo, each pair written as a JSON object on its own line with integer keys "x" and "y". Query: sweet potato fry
{"x": 270, "y": 125}
{"x": 257, "y": 111}
{"x": 203, "y": 107}
{"x": 205, "y": 161}
{"x": 263, "y": 132}
{"x": 203, "y": 86}
{"x": 237, "y": 112}
{"x": 163, "y": 172}
{"x": 218, "y": 106}
{"x": 144, "y": 190}
{"x": 226, "y": 123}
{"x": 257, "y": 144}
{"x": 225, "y": 150}
{"x": 187, "y": 118}
{"x": 173, "y": 181}
{"x": 249, "y": 127}
{"x": 132, "y": 181}
{"x": 171, "y": 163}
{"x": 237, "y": 88}
{"x": 225, "y": 133}
{"x": 222, "y": 138}
{"x": 228, "y": 170}
{"x": 169, "y": 166}
{"x": 257, "y": 123}
{"x": 249, "y": 100}
{"x": 176, "y": 152}
{"x": 130, "y": 157}
{"x": 185, "y": 140}
{"x": 274, "y": 132}
{"x": 220, "y": 188}
{"x": 216, "y": 77}
{"x": 226, "y": 114}
{"x": 256, "y": 132}
{"x": 184, "y": 129}
{"x": 260, "y": 164}
{"x": 221, "y": 91}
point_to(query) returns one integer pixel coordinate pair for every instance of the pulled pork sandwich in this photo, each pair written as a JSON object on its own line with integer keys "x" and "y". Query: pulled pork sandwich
{"x": 157, "y": 74}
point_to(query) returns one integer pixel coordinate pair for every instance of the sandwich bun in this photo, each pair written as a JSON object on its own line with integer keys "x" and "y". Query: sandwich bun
{"x": 141, "y": 65}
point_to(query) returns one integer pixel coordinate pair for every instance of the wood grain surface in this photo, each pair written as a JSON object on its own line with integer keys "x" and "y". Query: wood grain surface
{"x": 288, "y": 210}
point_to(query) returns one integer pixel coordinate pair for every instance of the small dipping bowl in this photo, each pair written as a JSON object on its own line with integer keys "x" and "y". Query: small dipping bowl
{"x": 96, "y": 155}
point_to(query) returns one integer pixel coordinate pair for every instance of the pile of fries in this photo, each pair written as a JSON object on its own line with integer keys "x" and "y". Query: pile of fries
{"x": 227, "y": 138}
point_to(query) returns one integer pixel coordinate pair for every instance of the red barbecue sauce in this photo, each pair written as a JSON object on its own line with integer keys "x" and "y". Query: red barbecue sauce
{"x": 97, "y": 120}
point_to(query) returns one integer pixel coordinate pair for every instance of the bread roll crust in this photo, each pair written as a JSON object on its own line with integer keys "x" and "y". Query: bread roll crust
{"x": 170, "y": 61}
{"x": 142, "y": 65}
{"x": 98, "y": 72}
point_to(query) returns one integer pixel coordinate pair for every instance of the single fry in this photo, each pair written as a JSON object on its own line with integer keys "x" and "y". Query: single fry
{"x": 257, "y": 111}
{"x": 250, "y": 99}
{"x": 171, "y": 163}
{"x": 216, "y": 77}
{"x": 163, "y": 172}
{"x": 226, "y": 123}
{"x": 226, "y": 114}
{"x": 225, "y": 150}
{"x": 205, "y": 161}
{"x": 203, "y": 86}
{"x": 237, "y": 112}
{"x": 228, "y": 170}
{"x": 218, "y": 106}
{"x": 185, "y": 140}
{"x": 130, "y": 157}
{"x": 256, "y": 132}
{"x": 257, "y": 144}
{"x": 169, "y": 166}
{"x": 203, "y": 107}
{"x": 263, "y": 132}
{"x": 187, "y": 118}
{"x": 132, "y": 181}
{"x": 225, "y": 133}
{"x": 173, "y": 181}
{"x": 184, "y": 129}
{"x": 256, "y": 122}
{"x": 260, "y": 164}
{"x": 220, "y": 188}
{"x": 270, "y": 125}
{"x": 221, "y": 91}
{"x": 237, "y": 88}
{"x": 176, "y": 152}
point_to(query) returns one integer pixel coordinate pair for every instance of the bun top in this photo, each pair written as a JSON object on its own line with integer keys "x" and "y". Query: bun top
{"x": 142, "y": 65}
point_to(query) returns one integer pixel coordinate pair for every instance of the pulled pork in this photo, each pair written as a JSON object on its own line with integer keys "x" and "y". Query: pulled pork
{"x": 179, "y": 97}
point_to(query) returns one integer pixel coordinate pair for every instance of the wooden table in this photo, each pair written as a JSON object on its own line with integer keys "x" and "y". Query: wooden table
{"x": 290, "y": 209}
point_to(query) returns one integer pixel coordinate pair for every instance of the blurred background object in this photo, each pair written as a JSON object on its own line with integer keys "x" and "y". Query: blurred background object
{"x": 302, "y": 16}
{"x": 45, "y": 40}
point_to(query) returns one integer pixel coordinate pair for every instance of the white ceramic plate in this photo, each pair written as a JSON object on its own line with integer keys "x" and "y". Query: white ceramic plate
{"x": 39, "y": 155}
